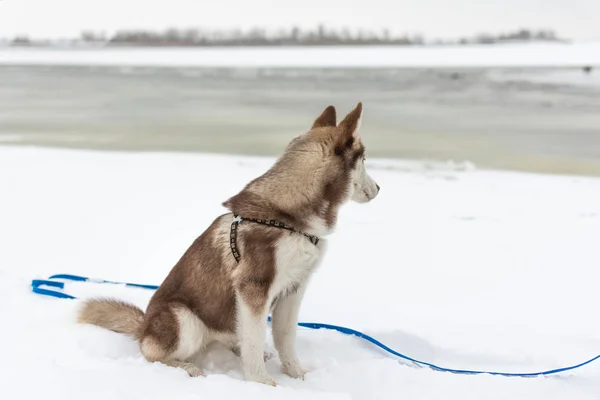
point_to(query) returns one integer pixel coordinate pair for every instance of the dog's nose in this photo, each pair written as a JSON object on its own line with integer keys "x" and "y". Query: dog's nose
{"x": 377, "y": 188}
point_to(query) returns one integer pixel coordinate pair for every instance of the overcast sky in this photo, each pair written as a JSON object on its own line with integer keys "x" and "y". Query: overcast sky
{"x": 576, "y": 19}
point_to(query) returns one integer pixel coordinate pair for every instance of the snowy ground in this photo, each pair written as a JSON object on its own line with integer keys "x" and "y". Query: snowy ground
{"x": 456, "y": 266}
{"x": 506, "y": 55}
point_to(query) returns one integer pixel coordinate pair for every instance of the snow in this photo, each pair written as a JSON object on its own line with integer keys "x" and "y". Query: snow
{"x": 505, "y": 55}
{"x": 457, "y": 266}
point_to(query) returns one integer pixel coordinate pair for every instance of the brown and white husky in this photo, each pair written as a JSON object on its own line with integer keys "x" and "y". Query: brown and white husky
{"x": 256, "y": 259}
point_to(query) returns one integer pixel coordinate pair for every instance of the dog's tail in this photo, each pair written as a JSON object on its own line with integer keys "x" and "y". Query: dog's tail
{"x": 114, "y": 315}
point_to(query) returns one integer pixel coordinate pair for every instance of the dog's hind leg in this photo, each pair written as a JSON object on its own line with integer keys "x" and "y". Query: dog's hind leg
{"x": 172, "y": 337}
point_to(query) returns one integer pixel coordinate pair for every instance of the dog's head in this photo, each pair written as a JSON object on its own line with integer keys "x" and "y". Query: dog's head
{"x": 319, "y": 170}
{"x": 337, "y": 153}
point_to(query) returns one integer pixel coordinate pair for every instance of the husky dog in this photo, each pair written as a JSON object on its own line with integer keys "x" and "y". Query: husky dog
{"x": 256, "y": 259}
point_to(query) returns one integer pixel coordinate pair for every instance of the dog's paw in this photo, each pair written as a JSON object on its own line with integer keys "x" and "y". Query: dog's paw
{"x": 193, "y": 371}
{"x": 266, "y": 379}
{"x": 294, "y": 370}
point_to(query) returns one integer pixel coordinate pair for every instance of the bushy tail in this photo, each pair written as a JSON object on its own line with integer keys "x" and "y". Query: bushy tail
{"x": 115, "y": 315}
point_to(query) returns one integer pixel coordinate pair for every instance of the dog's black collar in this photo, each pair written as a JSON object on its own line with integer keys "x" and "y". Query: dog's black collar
{"x": 269, "y": 222}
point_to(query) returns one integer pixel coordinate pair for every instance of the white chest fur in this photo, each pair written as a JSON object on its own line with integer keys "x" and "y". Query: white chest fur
{"x": 295, "y": 260}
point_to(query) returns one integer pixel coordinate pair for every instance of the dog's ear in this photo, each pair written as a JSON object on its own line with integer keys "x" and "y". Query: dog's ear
{"x": 350, "y": 125}
{"x": 327, "y": 118}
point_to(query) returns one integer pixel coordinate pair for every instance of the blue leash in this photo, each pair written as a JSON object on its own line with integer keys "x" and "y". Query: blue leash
{"x": 37, "y": 283}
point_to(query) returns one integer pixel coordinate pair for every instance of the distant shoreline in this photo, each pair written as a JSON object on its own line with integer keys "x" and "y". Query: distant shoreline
{"x": 274, "y": 44}
{"x": 545, "y": 55}
{"x": 292, "y": 37}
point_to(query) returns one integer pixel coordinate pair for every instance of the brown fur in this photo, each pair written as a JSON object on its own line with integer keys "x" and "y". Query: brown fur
{"x": 327, "y": 118}
{"x": 256, "y": 270}
{"x": 200, "y": 281}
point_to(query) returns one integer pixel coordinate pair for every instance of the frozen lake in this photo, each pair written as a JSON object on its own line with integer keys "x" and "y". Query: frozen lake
{"x": 530, "y": 119}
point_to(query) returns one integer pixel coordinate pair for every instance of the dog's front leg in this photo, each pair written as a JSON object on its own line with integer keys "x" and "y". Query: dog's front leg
{"x": 252, "y": 332}
{"x": 285, "y": 318}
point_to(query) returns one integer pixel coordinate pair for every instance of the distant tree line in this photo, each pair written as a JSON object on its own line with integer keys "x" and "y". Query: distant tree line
{"x": 521, "y": 35}
{"x": 320, "y": 36}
